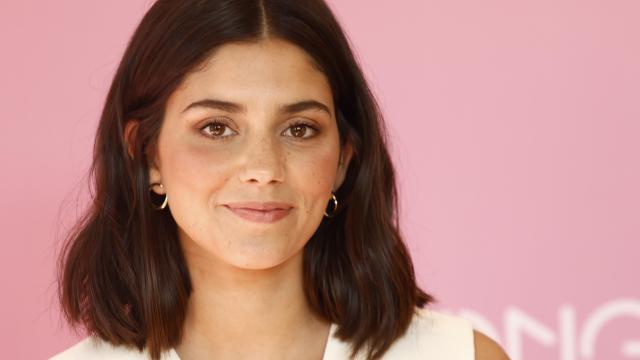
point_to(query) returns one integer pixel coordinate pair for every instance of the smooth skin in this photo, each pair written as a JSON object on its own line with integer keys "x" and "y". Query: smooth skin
{"x": 487, "y": 349}
{"x": 247, "y": 300}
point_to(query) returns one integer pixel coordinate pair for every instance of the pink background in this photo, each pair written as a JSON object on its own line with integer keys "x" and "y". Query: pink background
{"x": 516, "y": 133}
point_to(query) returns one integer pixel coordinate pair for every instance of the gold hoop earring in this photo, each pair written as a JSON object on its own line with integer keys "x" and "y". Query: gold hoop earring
{"x": 335, "y": 207}
{"x": 166, "y": 197}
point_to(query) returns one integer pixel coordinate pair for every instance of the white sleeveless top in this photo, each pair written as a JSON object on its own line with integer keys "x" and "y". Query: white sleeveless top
{"x": 431, "y": 335}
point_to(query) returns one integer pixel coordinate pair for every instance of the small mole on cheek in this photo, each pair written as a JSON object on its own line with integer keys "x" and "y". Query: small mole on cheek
{"x": 318, "y": 178}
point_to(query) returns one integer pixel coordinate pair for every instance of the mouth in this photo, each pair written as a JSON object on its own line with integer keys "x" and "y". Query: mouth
{"x": 260, "y": 213}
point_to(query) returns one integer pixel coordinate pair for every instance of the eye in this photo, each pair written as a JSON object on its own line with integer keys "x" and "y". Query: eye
{"x": 215, "y": 129}
{"x": 300, "y": 128}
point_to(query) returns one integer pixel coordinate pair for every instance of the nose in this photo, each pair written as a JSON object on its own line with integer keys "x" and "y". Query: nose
{"x": 263, "y": 161}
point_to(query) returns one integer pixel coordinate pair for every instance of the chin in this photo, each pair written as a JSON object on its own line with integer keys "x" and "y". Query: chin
{"x": 262, "y": 260}
{"x": 256, "y": 264}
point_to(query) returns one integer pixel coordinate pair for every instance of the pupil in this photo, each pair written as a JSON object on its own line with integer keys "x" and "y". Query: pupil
{"x": 299, "y": 129}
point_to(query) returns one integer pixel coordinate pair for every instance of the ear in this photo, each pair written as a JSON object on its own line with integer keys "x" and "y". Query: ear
{"x": 130, "y": 131}
{"x": 345, "y": 159}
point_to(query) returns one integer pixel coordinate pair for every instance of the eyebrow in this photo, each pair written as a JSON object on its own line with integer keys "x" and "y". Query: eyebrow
{"x": 237, "y": 108}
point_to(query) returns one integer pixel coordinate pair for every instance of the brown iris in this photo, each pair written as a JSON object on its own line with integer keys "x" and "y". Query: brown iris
{"x": 298, "y": 130}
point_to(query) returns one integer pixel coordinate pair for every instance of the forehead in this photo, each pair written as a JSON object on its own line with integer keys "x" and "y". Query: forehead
{"x": 267, "y": 71}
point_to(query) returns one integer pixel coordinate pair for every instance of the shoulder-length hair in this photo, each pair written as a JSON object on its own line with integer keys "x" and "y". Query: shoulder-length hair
{"x": 122, "y": 273}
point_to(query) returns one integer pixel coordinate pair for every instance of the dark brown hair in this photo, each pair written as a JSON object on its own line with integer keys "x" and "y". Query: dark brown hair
{"x": 122, "y": 273}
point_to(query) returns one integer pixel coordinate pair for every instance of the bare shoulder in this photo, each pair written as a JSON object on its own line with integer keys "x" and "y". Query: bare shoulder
{"x": 486, "y": 348}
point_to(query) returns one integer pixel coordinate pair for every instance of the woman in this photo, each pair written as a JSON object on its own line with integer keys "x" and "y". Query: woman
{"x": 245, "y": 201}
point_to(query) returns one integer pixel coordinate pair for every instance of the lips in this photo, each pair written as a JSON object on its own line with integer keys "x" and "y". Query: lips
{"x": 261, "y": 212}
{"x": 271, "y": 205}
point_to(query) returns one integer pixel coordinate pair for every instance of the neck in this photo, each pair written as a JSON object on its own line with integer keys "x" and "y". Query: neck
{"x": 233, "y": 310}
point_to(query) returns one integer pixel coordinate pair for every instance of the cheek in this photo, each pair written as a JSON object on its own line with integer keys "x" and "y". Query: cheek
{"x": 313, "y": 174}
{"x": 324, "y": 171}
{"x": 196, "y": 168}
{"x": 194, "y": 177}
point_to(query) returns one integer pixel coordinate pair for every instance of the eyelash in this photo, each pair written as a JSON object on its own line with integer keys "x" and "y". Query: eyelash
{"x": 225, "y": 137}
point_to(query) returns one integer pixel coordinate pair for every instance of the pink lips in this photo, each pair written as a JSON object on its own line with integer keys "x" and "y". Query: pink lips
{"x": 266, "y": 212}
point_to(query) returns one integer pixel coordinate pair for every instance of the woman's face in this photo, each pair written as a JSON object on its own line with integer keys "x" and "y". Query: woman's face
{"x": 264, "y": 148}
